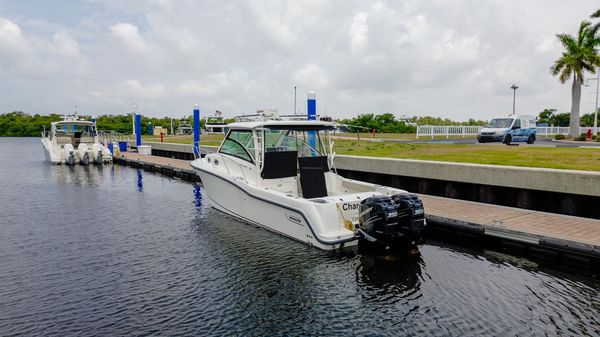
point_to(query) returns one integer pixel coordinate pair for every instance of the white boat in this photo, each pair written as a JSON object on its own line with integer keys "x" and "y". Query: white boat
{"x": 215, "y": 123}
{"x": 280, "y": 175}
{"x": 72, "y": 141}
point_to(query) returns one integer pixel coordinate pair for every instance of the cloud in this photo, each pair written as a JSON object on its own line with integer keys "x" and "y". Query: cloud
{"x": 311, "y": 75}
{"x": 452, "y": 59}
{"x": 35, "y": 57}
{"x": 129, "y": 37}
{"x": 358, "y": 32}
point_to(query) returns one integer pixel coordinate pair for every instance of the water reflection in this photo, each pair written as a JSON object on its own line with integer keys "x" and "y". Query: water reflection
{"x": 197, "y": 196}
{"x": 140, "y": 181}
{"x": 78, "y": 175}
{"x": 397, "y": 272}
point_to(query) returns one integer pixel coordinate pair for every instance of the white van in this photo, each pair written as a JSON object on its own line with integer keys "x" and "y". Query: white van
{"x": 512, "y": 128}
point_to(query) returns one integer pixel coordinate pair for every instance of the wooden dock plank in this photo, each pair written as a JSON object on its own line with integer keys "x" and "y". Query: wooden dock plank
{"x": 175, "y": 163}
{"x": 570, "y": 228}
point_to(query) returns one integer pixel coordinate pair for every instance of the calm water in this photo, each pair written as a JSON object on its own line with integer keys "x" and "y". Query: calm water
{"x": 116, "y": 251}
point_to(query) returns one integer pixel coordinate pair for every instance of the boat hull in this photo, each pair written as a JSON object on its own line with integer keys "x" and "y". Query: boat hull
{"x": 257, "y": 207}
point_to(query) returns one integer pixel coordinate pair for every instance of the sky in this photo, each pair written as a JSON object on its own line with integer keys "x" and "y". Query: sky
{"x": 451, "y": 59}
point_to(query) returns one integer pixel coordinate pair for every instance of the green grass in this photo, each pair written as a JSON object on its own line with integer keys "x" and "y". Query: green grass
{"x": 188, "y": 139}
{"x": 495, "y": 154}
{"x": 395, "y": 136}
{"x": 528, "y": 156}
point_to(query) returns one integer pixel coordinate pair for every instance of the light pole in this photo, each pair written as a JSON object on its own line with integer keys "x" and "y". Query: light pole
{"x": 596, "y": 111}
{"x": 294, "y": 100}
{"x": 514, "y": 87}
{"x": 587, "y": 84}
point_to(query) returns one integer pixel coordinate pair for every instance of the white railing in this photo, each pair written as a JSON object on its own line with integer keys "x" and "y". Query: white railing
{"x": 552, "y": 130}
{"x": 447, "y": 131}
{"x": 560, "y": 130}
{"x": 107, "y": 137}
{"x": 462, "y": 131}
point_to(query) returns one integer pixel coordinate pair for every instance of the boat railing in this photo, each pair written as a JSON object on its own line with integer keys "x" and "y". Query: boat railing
{"x": 197, "y": 151}
{"x": 107, "y": 137}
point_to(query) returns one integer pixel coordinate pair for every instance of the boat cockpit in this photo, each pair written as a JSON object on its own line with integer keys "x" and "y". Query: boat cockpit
{"x": 74, "y": 133}
{"x": 286, "y": 152}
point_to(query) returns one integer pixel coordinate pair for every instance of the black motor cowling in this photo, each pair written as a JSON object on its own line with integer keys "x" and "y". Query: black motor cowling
{"x": 411, "y": 215}
{"x": 401, "y": 216}
{"x": 378, "y": 216}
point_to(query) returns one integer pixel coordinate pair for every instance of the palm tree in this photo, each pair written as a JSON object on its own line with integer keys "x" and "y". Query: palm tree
{"x": 579, "y": 55}
{"x": 595, "y": 15}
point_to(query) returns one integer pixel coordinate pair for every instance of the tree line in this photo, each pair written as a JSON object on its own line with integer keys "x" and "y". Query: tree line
{"x": 21, "y": 124}
{"x": 552, "y": 118}
{"x": 388, "y": 123}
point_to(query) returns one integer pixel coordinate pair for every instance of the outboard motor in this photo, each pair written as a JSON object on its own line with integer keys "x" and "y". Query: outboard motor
{"x": 387, "y": 219}
{"x": 378, "y": 216}
{"x": 71, "y": 159}
{"x": 411, "y": 215}
{"x": 85, "y": 160}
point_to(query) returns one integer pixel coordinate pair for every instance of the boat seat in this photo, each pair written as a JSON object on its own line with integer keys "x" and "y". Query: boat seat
{"x": 312, "y": 176}
{"x": 281, "y": 164}
{"x": 86, "y": 139}
{"x": 61, "y": 140}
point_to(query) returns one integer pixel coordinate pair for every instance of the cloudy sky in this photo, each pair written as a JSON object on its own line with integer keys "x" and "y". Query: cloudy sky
{"x": 453, "y": 59}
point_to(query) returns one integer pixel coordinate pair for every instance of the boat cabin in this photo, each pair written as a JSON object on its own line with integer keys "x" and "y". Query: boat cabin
{"x": 284, "y": 149}
{"x": 73, "y": 132}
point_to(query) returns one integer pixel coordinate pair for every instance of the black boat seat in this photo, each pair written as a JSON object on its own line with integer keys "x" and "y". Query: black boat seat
{"x": 312, "y": 176}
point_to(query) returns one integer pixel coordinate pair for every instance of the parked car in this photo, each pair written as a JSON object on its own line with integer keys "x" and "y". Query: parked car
{"x": 512, "y": 128}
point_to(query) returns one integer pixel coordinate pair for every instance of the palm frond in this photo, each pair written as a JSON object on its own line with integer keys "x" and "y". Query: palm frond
{"x": 580, "y": 53}
{"x": 567, "y": 41}
{"x": 583, "y": 34}
{"x": 596, "y": 14}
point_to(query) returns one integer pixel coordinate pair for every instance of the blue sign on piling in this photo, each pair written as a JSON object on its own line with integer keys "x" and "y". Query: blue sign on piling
{"x": 311, "y": 109}
{"x": 138, "y": 130}
{"x": 196, "y": 130}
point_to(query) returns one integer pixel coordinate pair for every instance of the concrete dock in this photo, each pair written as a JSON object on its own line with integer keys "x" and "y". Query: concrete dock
{"x": 556, "y": 232}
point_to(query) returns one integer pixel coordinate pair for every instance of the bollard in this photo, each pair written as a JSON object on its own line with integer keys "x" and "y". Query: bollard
{"x": 311, "y": 108}
{"x": 196, "y": 143}
{"x": 138, "y": 130}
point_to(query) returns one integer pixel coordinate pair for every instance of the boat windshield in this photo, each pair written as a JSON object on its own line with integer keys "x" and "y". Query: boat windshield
{"x": 501, "y": 123}
{"x": 76, "y": 129}
{"x": 239, "y": 143}
{"x": 307, "y": 143}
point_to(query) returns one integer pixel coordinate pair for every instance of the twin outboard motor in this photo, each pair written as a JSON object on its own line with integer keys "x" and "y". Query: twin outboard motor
{"x": 385, "y": 218}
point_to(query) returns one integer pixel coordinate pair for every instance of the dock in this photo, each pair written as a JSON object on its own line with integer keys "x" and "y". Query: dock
{"x": 171, "y": 167}
{"x": 548, "y": 231}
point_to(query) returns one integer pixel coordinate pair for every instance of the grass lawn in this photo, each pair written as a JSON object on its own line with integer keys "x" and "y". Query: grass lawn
{"x": 496, "y": 154}
{"x": 205, "y": 139}
{"x": 529, "y": 156}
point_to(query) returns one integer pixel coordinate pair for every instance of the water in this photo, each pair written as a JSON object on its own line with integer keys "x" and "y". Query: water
{"x": 116, "y": 251}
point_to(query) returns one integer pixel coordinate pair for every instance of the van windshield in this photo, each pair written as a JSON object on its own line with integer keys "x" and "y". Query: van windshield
{"x": 502, "y": 123}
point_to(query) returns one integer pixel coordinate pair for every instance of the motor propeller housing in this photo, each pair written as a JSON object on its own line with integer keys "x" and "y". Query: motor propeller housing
{"x": 411, "y": 214}
{"x": 387, "y": 218}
